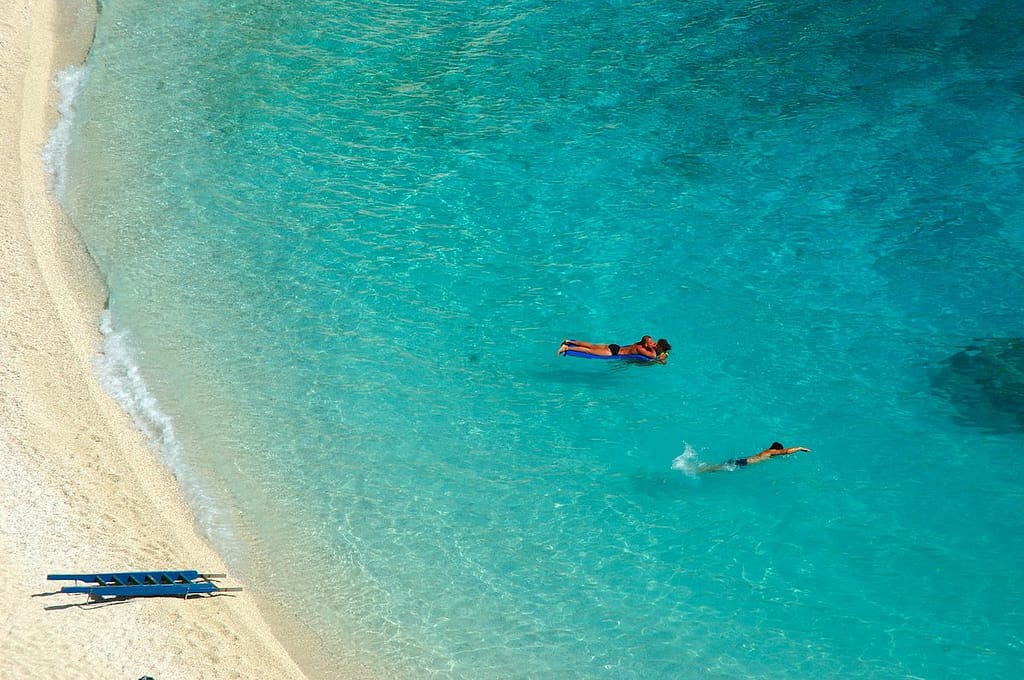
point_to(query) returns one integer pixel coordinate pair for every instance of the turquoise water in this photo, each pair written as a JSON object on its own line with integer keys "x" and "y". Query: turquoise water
{"x": 343, "y": 241}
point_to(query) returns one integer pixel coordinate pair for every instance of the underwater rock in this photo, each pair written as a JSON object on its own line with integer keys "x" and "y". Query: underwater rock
{"x": 985, "y": 383}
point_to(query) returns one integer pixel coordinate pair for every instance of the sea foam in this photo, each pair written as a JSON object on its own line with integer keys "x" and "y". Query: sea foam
{"x": 69, "y": 83}
{"x": 121, "y": 378}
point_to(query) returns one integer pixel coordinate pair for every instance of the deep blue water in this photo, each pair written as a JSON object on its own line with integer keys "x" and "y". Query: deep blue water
{"x": 344, "y": 240}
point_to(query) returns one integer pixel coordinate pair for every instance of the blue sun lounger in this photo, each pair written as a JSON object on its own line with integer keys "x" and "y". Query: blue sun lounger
{"x": 142, "y": 584}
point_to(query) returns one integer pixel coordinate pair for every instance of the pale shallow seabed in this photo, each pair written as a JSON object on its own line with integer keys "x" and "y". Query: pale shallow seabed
{"x": 343, "y": 241}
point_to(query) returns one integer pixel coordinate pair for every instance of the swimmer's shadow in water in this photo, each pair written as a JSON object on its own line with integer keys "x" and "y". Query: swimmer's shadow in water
{"x": 600, "y": 377}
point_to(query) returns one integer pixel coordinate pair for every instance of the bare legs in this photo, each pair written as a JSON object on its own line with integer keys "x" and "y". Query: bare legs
{"x": 584, "y": 347}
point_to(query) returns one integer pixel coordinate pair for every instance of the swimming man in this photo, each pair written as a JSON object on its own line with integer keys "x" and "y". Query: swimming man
{"x": 776, "y": 449}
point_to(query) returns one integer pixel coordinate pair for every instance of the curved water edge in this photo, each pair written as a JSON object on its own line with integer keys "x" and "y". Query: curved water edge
{"x": 120, "y": 377}
{"x": 118, "y": 373}
{"x": 115, "y": 364}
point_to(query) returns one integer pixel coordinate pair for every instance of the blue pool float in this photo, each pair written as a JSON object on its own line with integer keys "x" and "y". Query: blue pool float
{"x": 627, "y": 357}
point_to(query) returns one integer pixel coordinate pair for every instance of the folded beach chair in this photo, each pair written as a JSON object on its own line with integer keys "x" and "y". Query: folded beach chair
{"x": 142, "y": 584}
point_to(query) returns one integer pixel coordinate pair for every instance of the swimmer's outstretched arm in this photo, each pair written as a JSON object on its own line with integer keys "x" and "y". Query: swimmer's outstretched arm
{"x": 771, "y": 453}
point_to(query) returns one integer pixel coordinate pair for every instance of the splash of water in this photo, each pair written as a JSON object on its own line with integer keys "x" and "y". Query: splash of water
{"x": 686, "y": 462}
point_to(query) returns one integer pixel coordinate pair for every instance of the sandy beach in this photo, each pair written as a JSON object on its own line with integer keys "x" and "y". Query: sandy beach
{"x": 80, "y": 490}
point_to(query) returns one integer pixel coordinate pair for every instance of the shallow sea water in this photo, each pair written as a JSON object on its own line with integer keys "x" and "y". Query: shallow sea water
{"x": 343, "y": 241}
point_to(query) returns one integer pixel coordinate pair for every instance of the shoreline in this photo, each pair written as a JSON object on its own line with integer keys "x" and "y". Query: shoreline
{"x": 80, "y": 488}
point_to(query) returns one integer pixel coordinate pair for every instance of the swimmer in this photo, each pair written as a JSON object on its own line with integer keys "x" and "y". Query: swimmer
{"x": 776, "y": 449}
{"x": 657, "y": 351}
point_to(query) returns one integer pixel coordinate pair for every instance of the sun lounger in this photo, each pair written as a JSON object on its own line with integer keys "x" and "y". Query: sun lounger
{"x": 142, "y": 584}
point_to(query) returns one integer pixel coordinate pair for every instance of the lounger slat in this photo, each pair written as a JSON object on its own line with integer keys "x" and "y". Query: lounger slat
{"x": 183, "y": 589}
{"x": 130, "y": 577}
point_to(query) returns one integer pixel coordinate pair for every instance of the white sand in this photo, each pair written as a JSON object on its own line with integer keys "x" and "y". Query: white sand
{"x": 80, "y": 490}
